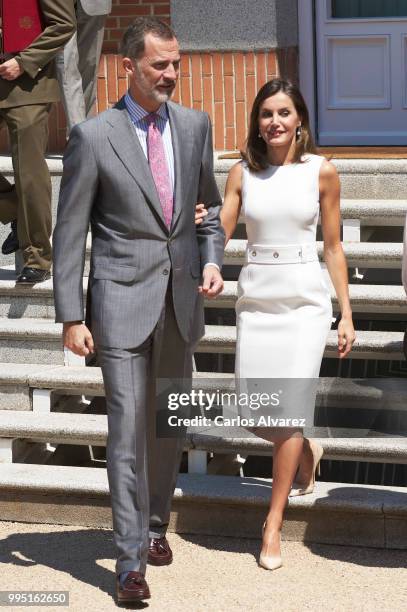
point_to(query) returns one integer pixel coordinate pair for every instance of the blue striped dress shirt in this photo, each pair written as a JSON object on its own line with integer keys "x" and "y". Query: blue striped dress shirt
{"x": 137, "y": 115}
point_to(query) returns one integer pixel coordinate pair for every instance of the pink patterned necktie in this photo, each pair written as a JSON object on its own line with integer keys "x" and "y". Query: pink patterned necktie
{"x": 159, "y": 167}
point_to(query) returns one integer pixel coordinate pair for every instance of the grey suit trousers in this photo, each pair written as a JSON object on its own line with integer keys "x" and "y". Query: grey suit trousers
{"x": 142, "y": 468}
{"x": 77, "y": 66}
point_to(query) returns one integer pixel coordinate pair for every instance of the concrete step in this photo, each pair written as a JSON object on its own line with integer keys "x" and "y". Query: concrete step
{"x": 372, "y": 450}
{"x": 15, "y": 389}
{"x": 368, "y": 344}
{"x": 30, "y": 301}
{"x": 375, "y": 213}
{"x": 90, "y": 429}
{"x": 359, "y": 515}
{"x": 18, "y": 381}
{"x": 377, "y": 179}
{"x": 383, "y": 299}
{"x": 55, "y": 427}
{"x": 38, "y": 341}
{"x": 37, "y": 301}
{"x": 384, "y": 255}
{"x": 361, "y": 179}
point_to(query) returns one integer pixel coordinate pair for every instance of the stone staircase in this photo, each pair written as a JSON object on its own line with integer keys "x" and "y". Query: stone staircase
{"x": 34, "y": 374}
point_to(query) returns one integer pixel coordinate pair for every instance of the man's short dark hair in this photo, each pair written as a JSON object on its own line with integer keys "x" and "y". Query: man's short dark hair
{"x": 132, "y": 43}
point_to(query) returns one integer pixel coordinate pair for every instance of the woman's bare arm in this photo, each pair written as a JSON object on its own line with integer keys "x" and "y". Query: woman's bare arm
{"x": 230, "y": 211}
{"x": 329, "y": 192}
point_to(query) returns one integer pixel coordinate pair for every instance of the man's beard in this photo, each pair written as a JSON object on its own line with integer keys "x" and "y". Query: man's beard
{"x": 162, "y": 97}
{"x": 154, "y": 94}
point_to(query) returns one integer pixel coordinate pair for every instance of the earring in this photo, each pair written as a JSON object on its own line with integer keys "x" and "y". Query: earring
{"x": 259, "y": 135}
{"x": 298, "y": 132}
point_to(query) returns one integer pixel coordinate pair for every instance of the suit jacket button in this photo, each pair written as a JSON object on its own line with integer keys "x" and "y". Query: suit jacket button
{"x": 166, "y": 272}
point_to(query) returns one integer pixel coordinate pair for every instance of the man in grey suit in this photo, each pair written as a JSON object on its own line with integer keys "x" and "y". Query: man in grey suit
{"x": 135, "y": 173}
{"x": 77, "y": 64}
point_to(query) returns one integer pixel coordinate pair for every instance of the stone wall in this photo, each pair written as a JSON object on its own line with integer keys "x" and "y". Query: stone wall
{"x": 235, "y": 24}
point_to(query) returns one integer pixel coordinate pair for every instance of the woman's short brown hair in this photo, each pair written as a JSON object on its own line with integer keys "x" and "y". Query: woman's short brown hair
{"x": 255, "y": 152}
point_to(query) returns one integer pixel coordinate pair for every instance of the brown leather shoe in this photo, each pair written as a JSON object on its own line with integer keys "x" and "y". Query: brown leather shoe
{"x": 134, "y": 589}
{"x": 159, "y": 552}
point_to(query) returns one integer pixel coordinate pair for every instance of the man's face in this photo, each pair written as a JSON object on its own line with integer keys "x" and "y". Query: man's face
{"x": 153, "y": 77}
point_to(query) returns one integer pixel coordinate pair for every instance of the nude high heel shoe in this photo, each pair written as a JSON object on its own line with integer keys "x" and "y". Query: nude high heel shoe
{"x": 269, "y": 562}
{"x": 301, "y": 488}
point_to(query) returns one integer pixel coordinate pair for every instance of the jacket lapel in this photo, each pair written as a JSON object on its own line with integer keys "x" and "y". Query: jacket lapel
{"x": 124, "y": 140}
{"x": 182, "y": 144}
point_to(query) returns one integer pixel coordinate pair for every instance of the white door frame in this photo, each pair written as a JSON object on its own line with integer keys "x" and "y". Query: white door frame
{"x": 306, "y": 46}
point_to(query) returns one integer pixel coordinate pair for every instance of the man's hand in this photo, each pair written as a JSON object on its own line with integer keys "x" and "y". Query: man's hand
{"x": 10, "y": 70}
{"x": 212, "y": 283}
{"x": 200, "y": 213}
{"x": 78, "y": 338}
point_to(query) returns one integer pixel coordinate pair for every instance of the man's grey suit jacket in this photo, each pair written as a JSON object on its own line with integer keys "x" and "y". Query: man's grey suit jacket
{"x": 96, "y": 7}
{"x": 107, "y": 182}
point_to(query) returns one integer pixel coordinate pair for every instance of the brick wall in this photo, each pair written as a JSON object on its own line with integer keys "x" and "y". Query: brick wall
{"x": 124, "y": 12}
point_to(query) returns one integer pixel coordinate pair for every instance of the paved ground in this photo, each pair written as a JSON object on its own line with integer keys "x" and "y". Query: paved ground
{"x": 209, "y": 574}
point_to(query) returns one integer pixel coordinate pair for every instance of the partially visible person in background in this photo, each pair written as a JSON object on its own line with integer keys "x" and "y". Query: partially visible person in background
{"x": 77, "y": 63}
{"x": 28, "y": 86}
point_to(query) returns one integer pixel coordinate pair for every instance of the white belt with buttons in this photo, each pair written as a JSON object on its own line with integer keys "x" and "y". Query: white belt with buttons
{"x": 281, "y": 254}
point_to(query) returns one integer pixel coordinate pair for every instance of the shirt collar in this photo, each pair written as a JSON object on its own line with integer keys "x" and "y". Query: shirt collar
{"x": 138, "y": 113}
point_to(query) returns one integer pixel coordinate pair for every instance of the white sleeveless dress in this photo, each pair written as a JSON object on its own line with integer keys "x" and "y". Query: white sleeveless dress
{"x": 283, "y": 308}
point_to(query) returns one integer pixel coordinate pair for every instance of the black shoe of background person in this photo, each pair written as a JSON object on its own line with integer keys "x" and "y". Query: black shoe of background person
{"x": 10, "y": 245}
{"x": 30, "y": 276}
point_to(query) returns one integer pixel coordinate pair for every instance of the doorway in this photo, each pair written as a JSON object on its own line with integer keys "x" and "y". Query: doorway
{"x": 361, "y": 64}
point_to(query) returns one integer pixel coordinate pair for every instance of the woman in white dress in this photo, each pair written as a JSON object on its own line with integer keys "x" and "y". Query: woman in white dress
{"x": 284, "y": 308}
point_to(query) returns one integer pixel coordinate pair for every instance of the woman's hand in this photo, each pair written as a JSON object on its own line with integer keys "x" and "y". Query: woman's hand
{"x": 346, "y": 336}
{"x": 200, "y": 213}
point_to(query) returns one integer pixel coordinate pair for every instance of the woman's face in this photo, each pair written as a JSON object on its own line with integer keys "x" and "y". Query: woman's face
{"x": 278, "y": 120}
